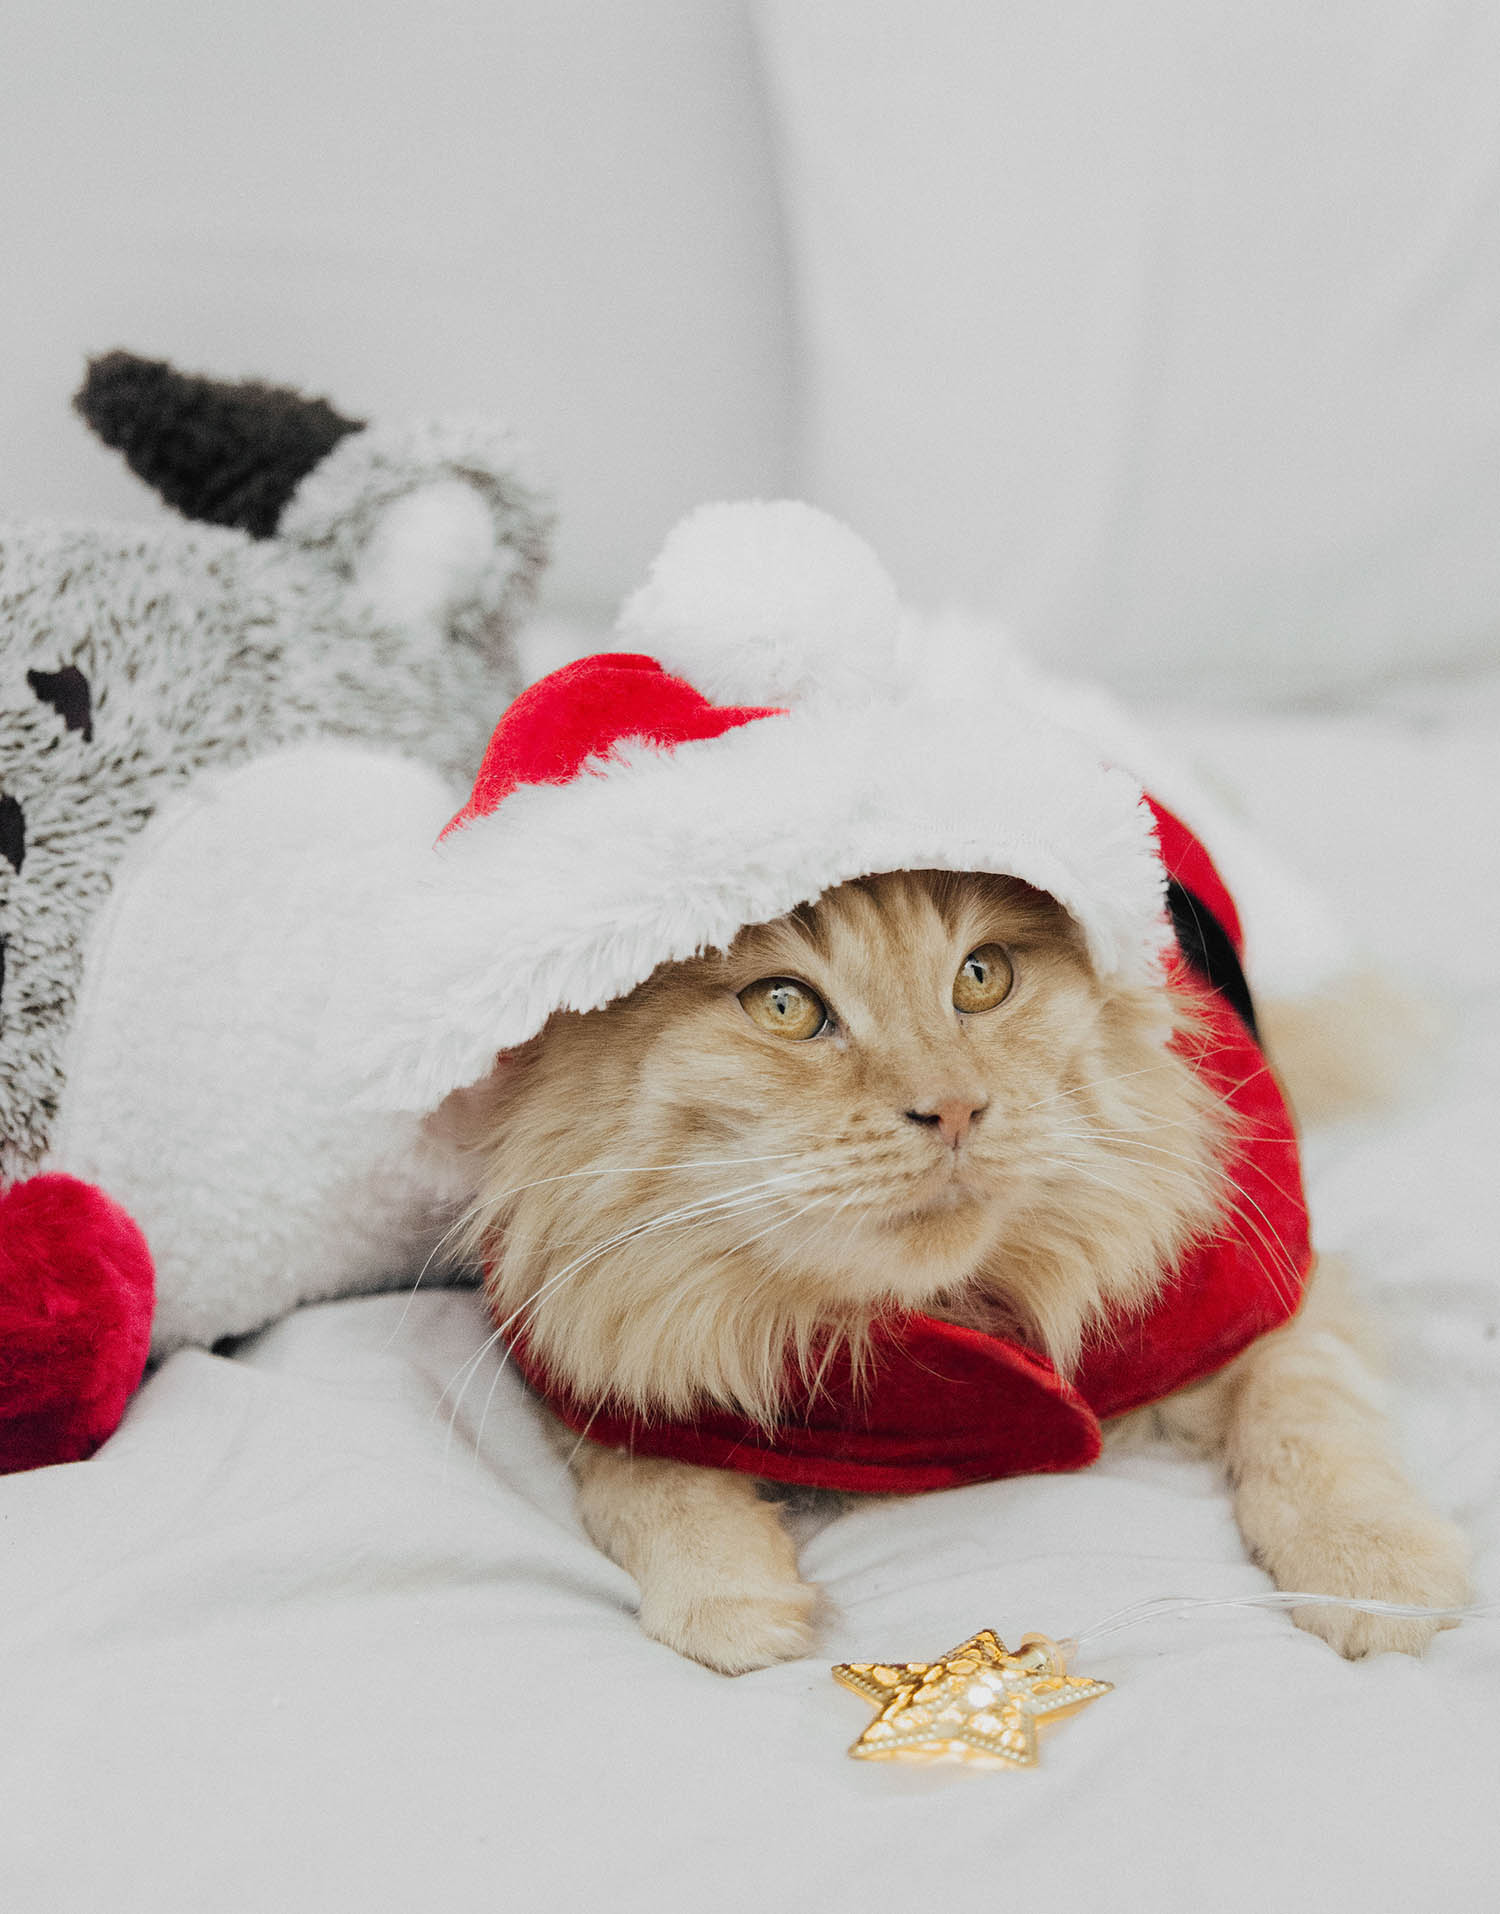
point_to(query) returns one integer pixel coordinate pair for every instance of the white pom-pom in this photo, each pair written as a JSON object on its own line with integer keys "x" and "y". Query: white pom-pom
{"x": 767, "y": 603}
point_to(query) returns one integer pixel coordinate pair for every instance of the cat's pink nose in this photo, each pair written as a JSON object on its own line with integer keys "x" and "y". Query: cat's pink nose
{"x": 952, "y": 1117}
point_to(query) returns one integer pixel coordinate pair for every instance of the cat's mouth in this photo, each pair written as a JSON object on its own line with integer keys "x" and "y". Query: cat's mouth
{"x": 944, "y": 1200}
{"x": 945, "y": 1194}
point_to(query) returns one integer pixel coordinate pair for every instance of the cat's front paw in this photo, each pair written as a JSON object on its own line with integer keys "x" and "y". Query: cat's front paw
{"x": 737, "y": 1630}
{"x": 1411, "y": 1555}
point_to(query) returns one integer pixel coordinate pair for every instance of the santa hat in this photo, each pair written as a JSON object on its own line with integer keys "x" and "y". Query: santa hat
{"x": 766, "y": 738}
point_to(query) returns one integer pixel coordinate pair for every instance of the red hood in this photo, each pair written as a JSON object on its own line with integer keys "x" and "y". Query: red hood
{"x": 941, "y": 1405}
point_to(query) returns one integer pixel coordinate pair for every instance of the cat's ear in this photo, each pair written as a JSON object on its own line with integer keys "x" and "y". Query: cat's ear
{"x": 768, "y": 603}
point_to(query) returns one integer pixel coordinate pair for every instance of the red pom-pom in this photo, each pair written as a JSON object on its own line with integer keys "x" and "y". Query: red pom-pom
{"x": 77, "y": 1290}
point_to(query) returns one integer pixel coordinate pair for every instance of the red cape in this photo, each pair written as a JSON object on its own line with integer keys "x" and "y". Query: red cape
{"x": 942, "y": 1405}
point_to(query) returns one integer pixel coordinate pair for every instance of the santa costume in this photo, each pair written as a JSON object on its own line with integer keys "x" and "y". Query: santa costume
{"x": 777, "y": 728}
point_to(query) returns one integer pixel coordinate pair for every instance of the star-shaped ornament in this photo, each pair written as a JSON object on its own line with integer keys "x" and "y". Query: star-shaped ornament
{"x": 980, "y": 1703}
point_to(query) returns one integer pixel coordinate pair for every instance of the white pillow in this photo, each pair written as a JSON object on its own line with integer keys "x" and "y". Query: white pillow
{"x": 1169, "y": 332}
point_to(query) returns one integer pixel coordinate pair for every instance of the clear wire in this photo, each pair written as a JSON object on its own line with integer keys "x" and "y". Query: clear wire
{"x": 1156, "y": 1608}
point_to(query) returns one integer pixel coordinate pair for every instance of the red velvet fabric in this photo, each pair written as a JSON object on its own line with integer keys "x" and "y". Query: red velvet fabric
{"x": 581, "y": 712}
{"x": 944, "y": 1406}
{"x": 77, "y": 1290}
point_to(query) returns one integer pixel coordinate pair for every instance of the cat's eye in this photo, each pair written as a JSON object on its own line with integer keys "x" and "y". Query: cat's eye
{"x": 984, "y": 979}
{"x": 785, "y": 1007}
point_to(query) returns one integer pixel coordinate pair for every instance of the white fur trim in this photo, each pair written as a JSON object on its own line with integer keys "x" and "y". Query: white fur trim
{"x": 568, "y": 896}
{"x": 762, "y": 603}
{"x": 197, "y": 1092}
{"x": 1295, "y": 945}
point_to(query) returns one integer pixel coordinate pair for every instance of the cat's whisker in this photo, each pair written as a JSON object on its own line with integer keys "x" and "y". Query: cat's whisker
{"x": 583, "y": 1435}
{"x": 454, "y": 1229}
{"x": 486, "y": 1215}
{"x": 494, "y": 1201}
{"x": 854, "y": 1341}
{"x": 1071, "y": 1166}
{"x": 1235, "y": 1198}
{"x": 1284, "y": 1276}
{"x": 699, "y": 1211}
{"x": 1199, "y": 1169}
{"x": 468, "y": 1370}
{"x": 835, "y": 1334}
{"x": 851, "y": 1333}
{"x": 699, "y": 1204}
{"x": 1238, "y": 1128}
{"x": 489, "y": 1397}
{"x": 1239, "y": 1195}
{"x": 737, "y": 1190}
{"x": 736, "y": 1206}
{"x": 730, "y": 1203}
{"x": 781, "y": 1222}
{"x": 1096, "y": 1083}
{"x": 776, "y": 1266}
{"x": 828, "y": 1221}
{"x": 1198, "y": 1176}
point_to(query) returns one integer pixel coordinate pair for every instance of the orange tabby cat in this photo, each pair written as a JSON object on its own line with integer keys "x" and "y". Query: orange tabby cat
{"x": 914, "y": 1093}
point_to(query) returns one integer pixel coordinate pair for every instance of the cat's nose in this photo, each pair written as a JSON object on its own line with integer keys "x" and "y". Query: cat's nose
{"x": 951, "y": 1117}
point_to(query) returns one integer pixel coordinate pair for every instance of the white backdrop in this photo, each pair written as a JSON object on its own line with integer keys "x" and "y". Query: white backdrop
{"x": 1169, "y": 332}
{"x": 559, "y": 211}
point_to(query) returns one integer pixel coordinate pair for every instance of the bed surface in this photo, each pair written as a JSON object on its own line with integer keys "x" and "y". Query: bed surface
{"x": 318, "y": 1628}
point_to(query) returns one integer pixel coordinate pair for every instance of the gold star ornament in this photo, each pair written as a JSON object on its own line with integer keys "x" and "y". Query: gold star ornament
{"x": 981, "y": 1703}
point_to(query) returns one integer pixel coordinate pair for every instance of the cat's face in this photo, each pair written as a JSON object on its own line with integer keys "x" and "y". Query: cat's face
{"x": 896, "y": 1042}
{"x": 913, "y": 1093}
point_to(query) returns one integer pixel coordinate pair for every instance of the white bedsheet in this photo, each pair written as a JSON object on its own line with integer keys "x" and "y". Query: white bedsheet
{"x": 306, "y": 1635}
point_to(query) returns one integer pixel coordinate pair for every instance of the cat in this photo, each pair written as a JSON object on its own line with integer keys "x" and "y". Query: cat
{"x": 914, "y": 1093}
